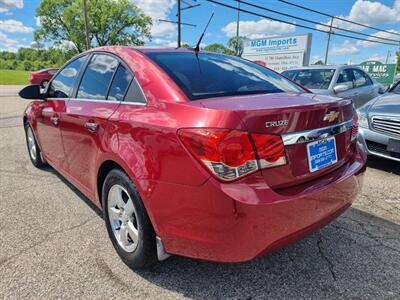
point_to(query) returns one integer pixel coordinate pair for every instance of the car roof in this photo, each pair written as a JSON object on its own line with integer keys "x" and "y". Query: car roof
{"x": 324, "y": 67}
{"x": 148, "y": 49}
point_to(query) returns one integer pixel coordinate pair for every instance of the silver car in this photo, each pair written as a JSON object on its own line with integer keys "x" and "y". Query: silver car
{"x": 340, "y": 81}
{"x": 379, "y": 124}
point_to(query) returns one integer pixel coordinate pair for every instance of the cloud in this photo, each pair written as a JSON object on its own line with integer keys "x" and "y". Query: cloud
{"x": 382, "y": 34}
{"x": 258, "y": 29}
{"x": 5, "y": 40}
{"x": 7, "y": 44}
{"x": 344, "y": 49}
{"x": 368, "y": 13}
{"x": 14, "y": 26}
{"x": 382, "y": 58}
{"x": 65, "y": 45}
{"x": 158, "y": 9}
{"x": 6, "y": 5}
{"x": 315, "y": 58}
{"x": 164, "y": 42}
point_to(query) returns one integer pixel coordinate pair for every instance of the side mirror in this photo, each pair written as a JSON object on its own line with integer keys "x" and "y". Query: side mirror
{"x": 31, "y": 92}
{"x": 340, "y": 88}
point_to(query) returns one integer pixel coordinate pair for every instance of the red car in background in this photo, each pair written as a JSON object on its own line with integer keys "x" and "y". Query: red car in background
{"x": 42, "y": 77}
{"x": 195, "y": 153}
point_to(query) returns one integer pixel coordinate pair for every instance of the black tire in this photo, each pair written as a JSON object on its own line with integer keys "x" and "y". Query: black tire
{"x": 145, "y": 253}
{"x": 44, "y": 83}
{"x": 37, "y": 160}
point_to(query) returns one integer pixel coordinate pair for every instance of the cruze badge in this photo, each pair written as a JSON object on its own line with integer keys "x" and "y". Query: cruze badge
{"x": 331, "y": 116}
{"x": 276, "y": 123}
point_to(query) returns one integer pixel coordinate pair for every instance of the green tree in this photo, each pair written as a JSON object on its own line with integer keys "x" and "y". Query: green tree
{"x": 111, "y": 22}
{"x": 219, "y": 48}
{"x": 398, "y": 62}
{"x": 237, "y": 45}
{"x": 319, "y": 62}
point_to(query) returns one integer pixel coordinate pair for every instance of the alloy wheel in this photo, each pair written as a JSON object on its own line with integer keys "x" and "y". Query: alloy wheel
{"x": 123, "y": 218}
{"x": 31, "y": 144}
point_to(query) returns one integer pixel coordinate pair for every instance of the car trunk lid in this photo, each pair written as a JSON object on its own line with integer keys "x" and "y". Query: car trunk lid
{"x": 289, "y": 115}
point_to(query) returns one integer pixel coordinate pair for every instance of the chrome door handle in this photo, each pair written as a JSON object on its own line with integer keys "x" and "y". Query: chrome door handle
{"x": 54, "y": 120}
{"x": 92, "y": 127}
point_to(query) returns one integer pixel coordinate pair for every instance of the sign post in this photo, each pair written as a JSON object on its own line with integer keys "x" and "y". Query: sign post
{"x": 383, "y": 73}
{"x": 280, "y": 53}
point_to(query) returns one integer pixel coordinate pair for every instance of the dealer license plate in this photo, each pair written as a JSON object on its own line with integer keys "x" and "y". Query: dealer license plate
{"x": 321, "y": 154}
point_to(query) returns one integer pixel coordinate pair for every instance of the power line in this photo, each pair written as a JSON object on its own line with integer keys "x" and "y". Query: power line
{"x": 313, "y": 22}
{"x": 342, "y": 19}
{"x": 298, "y": 25}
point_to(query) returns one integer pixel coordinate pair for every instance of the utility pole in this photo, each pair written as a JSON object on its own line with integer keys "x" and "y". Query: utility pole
{"x": 387, "y": 56}
{"x": 237, "y": 30}
{"x": 86, "y": 25}
{"x": 328, "y": 40}
{"x": 179, "y": 23}
{"x": 189, "y": 5}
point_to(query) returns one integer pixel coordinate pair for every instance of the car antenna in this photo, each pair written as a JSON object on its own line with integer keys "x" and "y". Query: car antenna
{"x": 197, "y": 48}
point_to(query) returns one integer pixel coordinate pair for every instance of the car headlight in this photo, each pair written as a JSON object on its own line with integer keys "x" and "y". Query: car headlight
{"x": 362, "y": 119}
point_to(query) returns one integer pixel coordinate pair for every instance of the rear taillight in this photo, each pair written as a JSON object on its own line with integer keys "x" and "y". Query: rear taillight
{"x": 270, "y": 149}
{"x": 354, "y": 128}
{"x": 229, "y": 154}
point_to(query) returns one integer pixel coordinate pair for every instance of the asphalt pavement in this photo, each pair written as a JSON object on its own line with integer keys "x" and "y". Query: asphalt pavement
{"x": 53, "y": 243}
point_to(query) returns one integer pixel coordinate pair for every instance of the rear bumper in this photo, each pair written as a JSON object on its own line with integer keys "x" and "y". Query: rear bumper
{"x": 376, "y": 143}
{"x": 239, "y": 221}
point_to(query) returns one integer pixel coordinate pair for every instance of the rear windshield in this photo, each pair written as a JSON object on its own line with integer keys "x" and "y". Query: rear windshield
{"x": 216, "y": 75}
{"x": 312, "y": 79}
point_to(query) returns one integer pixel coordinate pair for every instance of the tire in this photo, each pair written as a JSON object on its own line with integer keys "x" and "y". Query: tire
{"x": 128, "y": 225}
{"x": 44, "y": 83}
{"x": 35, "y": 154}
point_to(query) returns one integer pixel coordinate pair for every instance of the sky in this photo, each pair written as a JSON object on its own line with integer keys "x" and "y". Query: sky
{"x": 18, "y": 22}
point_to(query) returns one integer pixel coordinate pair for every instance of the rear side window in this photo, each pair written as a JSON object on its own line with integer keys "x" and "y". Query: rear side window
{"x": 61, "y": 86}
{"x": 135, "y": 93}
{"x": 361, "y": 79}
{"x": 346, "y": 78}
{"x": 205, "y": 75}
{"x": 97, "y": 77}
{"x": 312, "y": 78}
{"x": 120, "y": 84}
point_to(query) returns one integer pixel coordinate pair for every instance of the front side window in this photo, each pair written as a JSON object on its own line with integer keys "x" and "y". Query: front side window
{"x": 97, "y": 77}
{"x": 61, "y": 86}
{"x": 345, "y": 78}
{"x": 205, "y": 75}
{"x": 120, "y": 84}
{"x": 312, "y": 78}
{"x": 360, "y": 78}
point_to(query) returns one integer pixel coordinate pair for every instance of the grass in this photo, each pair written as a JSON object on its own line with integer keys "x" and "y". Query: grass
{"x": 13, "y": 77}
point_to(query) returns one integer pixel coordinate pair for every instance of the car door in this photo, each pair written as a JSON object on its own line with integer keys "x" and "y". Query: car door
{"x": 364, "y": 86}
{"x": 97, "y": 97}
{"x": 53, "y": 109}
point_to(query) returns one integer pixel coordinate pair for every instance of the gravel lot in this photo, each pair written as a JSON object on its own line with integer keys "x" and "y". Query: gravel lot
{"x": 53, "y": 243}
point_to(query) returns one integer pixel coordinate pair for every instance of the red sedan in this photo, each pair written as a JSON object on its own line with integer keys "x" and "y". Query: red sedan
{"x": 42, "y": 77}
{"x": 194, "y": 153}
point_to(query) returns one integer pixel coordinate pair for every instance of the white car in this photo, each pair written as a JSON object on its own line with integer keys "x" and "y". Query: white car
{"x": 339, "y": 81}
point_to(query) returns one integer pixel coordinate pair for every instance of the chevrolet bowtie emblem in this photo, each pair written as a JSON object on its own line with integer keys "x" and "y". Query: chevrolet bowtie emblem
{"x": 331, "y": 116}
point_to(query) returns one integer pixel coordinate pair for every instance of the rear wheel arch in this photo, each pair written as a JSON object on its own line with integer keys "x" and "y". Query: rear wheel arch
{"x": 104, "y": 169}
{"x": 25, "y": 120}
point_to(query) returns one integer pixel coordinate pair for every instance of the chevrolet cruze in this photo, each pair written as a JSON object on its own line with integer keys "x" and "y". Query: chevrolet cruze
{"x": 193, "y": 153}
